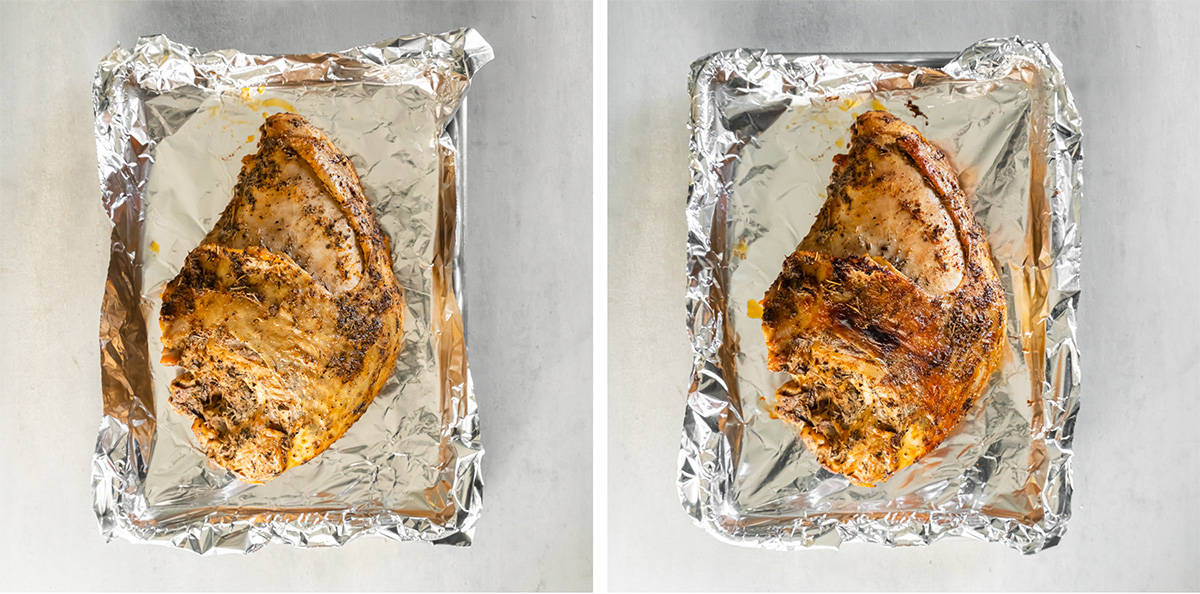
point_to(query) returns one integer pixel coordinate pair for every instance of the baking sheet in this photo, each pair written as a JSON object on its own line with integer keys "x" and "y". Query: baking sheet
{"x": 765, "y": 128}
{"x": 172, "y": 126}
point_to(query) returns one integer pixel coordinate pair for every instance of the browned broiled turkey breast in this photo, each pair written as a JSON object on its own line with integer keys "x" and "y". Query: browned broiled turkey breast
{"x": 889, "y": 316}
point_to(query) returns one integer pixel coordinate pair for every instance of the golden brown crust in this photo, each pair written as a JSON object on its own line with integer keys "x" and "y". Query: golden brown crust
{"x": 886, "y": 351}
{"x": 287, "y": 318}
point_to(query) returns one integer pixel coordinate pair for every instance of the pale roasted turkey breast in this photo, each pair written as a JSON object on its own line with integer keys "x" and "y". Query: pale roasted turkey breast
{"x": 287, "y": 318}
{"x": 889, "y": 316}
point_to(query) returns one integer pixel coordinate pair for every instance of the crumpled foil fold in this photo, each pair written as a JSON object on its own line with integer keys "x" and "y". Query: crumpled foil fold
{"x": 172, "y": 123}
{"x": 764, "y": 130}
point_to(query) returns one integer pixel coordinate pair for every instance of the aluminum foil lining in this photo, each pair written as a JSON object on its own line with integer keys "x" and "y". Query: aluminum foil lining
{"x": 172, "y": 124}
{"x": 764, "y": 130}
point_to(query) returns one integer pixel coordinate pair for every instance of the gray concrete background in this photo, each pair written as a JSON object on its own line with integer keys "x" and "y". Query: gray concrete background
{"x": 1131, "y": 67}
{"x": 528, "y": 271}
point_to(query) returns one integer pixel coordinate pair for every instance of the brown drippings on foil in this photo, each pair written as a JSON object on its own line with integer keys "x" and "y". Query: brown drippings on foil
{"x": 769, "y": 407}
{"x": 916, "y": 110}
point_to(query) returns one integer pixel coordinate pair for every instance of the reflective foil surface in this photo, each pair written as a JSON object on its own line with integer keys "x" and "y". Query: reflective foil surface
{"x": 765, "y": 128}
{"x": 172, "y": 124}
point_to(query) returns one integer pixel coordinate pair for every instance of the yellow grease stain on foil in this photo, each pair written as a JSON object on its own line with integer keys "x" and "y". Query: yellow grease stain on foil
{"x": 262, "y": 104}
{"x": 772, "y": 412}
{"x": 754, "y": 309}
{"x": 876, "y": 105}
{"x": 250, "y": 138}
{"x": 847, "y": 104}
{"x": 839, "y": 143}
{"x": 740, "y": 250}
{"x": 154, "y": 246}
{"x": 280, "y": 103}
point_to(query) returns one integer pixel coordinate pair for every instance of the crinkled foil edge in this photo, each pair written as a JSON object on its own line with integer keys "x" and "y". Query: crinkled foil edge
{"x": 713, "y": 422}
{"x": 124, "y": 147}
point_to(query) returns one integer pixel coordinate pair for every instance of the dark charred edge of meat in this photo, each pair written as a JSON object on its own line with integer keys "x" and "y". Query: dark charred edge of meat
{"x": 927, "y": 158}
{"x": 179, "y": 296}
{"x": 879, "y": 336}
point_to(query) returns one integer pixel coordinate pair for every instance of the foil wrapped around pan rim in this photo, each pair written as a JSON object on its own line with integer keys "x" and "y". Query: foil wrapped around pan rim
{"x": 736, "y": 95}
{"x": 126, "y": 138}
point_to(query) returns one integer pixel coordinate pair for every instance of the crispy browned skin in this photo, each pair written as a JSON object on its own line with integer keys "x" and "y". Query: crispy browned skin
{"x": 889, "y": 315}
{"x": 287, "y": 318}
